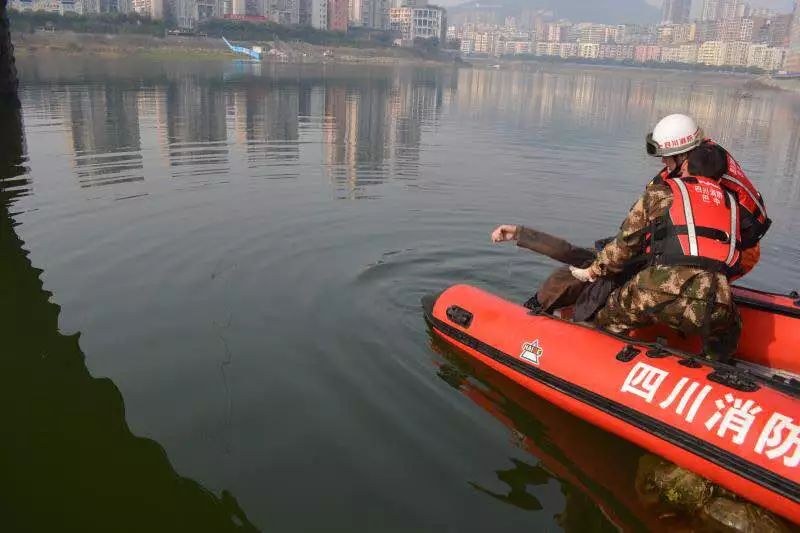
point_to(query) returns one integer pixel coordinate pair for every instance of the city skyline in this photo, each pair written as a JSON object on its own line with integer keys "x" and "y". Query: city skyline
{"x": 730, "y": 34}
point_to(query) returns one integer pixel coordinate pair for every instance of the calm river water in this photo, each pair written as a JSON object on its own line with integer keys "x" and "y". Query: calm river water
{"x": 211, "y": 292}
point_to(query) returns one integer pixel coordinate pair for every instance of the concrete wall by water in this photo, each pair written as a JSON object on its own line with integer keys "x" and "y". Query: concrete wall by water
{"x": 8, "y": 71}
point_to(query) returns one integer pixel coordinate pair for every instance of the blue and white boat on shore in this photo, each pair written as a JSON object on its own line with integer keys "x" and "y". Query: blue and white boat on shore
{"x": 254, "y": 52}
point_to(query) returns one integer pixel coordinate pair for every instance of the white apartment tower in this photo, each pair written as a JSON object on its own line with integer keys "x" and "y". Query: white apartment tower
{"x": 710, "y": 10}
{"x": 319, "y": 14}
{"x": 732, "y": 9}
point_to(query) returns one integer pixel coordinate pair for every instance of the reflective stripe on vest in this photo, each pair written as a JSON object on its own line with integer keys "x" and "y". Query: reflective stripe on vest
{"x": 734, "y": 228}
{"x": 701, "y": 228}
{"x": 689, "y": 215}
{"x": 750, "y": 193}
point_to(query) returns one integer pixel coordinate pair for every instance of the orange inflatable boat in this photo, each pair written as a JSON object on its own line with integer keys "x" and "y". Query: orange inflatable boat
{"x": 736, "y": 424}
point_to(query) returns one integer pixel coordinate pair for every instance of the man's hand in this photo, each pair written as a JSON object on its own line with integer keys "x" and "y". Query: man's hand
{"x": 583, "y": 274}
{"x": 506, "y": 232}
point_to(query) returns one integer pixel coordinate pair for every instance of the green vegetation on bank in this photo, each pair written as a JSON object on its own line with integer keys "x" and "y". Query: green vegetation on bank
{"x": 111, "y": 23}
{"x": 269, "y": 31}
{"x": 117, "y": 23}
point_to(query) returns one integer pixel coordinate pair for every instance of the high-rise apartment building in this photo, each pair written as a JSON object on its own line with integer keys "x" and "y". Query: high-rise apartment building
{"x": 338, "y": 14}
{"x": 557, "y": 32}
{"x": 712, "y": 53}
{"x": 207, "y": 9}
{"x": 723, "y": 9}
{"x": 70, "y": 6}
{"x": 709, "y": 30}
{"x": 91, "y": 6}
{"x": 257, "y": 8}
{"x": 185, "y": 12}
{"x": 765, "y": 57}
{"x": 688, "y": 53}
{"x": 304, "y": 9}
{"x": 736, "y": 54}
{"x": 429, "y": 23}
{"x": 355, "y": 12}
{"x": 732, "y": 9}
{"x": 593, "y": 33}
{"x": 710, "y": 10}
{"x": 319, "y": 14}
{"x": 793, "y": 58}
{"x": 664, "y": 34}
{"x": 150, "y": 8}
{"x": 286, "y": 12}
{"x": 778, "y": 30}
{"x": 736, "y": 30}
{"x": 676, "y": 11}
{"x": 374, "y": 14}
{"x": 684, "y": 33}
{"x": 118, "y": 6}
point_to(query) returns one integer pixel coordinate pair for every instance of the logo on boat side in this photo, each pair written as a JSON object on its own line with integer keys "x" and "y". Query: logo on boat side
{"x": 531, "y": 351}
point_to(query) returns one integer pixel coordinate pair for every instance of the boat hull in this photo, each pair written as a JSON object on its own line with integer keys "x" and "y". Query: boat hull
{"x": 724, "y": 426}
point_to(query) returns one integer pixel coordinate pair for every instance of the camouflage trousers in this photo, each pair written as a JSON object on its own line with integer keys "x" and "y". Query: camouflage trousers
{"x": 633, "y": 306}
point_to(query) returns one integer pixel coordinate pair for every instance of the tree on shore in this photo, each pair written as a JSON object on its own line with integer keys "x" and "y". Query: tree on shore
{"x": 269, "y": 31}
{"x": 109, "y": 23}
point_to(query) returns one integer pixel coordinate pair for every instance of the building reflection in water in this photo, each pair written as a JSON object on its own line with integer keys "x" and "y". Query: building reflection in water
{"x": 368, "y": 129}
{"x": 67, "y": 441}
{"x": 265, "y": 118}
{"x": 69, "y": 460}
{"x": 196, "y": 127}
{"x": 606, "y": 108}
{"x": 372, "y": 130}
{"x": 104, "y": 134}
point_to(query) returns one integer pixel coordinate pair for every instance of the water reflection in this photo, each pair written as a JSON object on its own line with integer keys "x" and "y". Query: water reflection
{"x": 68, "y": 459}
{"x": 370, "y": 128}
{"x": 105, "y": 134}
{"x": 518, "y": 479}
{"x": 240, "y": 166}
{"x": 611, "y": 108}
{"x": 196, "y": 127}
{"x": 597, "y": 480}
{"x": 267, "y": 123}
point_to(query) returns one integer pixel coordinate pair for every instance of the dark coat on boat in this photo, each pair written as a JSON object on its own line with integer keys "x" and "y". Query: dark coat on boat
{"x": 561, "y": 289}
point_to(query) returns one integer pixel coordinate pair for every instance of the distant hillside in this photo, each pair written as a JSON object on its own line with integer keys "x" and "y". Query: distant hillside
{"x": 604, "y": 11}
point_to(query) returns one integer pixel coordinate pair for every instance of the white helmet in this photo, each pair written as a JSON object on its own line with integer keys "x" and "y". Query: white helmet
{"x": 673, "y": 135}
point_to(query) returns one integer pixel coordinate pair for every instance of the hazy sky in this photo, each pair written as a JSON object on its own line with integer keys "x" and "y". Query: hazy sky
{"x": 778, "y": 5}
{"x": 784, "y": 6}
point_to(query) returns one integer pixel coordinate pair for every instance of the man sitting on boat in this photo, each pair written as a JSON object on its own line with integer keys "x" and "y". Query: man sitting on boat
{"x": 696, "y": 227}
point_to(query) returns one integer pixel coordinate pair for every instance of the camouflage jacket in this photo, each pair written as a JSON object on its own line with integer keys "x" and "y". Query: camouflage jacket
{"x": 690, "y": 282}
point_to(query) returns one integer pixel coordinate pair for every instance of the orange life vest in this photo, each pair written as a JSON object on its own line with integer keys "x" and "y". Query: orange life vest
{"x": 755, "y": 222}
{"x": 701, "y": 229}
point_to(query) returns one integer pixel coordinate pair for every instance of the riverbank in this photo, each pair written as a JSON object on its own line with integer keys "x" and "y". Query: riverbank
{"x": 746, "y": 82}
{"x": 767, "y": 82}
{"x": 198, "y": 48}
{"x": 208, "y": 48}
